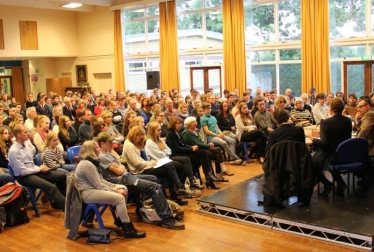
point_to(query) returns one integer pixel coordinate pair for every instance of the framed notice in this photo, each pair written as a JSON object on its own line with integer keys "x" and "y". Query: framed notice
{"x": 81, "y": 73}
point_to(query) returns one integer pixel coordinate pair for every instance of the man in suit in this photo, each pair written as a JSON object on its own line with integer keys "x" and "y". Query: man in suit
{"x": 285, "y": 131}
{"x": 68, "y": 109}
{"x": 333, "y": 131}
{"x": 42, "y": 109}
{"x": 30, "y": 101}
{"x": 365, "y": 122}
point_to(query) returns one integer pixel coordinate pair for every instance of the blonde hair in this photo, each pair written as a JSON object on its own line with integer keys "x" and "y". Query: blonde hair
{"x": 105, "y": 114}
{"x": 152, "y": 127}
{"x": 41, "y": 119}
{"x": 181, "y": 105}
{"x": 88, "y": 149}
{"x": 136, "y": 121}
{"x": 133, "y": 133}
{"x": 50, "y": 137}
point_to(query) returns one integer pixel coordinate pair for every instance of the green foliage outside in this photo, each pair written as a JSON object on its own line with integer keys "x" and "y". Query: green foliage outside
{"x": 260, "y": 21}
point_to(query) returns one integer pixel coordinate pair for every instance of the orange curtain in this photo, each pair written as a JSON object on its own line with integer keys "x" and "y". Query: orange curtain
{"x": 118, "y": 53}
{"x": 234, "y": 45}
{"x": 169, "y": 59}
{"x": 315, "y": 49}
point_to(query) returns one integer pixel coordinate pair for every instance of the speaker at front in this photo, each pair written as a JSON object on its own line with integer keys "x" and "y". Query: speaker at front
{"x": 153, "y": 80}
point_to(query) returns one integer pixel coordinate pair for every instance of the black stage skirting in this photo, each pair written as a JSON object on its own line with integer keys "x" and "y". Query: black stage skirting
{"x": 348, "y": 220}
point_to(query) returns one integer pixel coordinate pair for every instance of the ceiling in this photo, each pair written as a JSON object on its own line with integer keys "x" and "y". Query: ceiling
{"x": 88, "y": 5}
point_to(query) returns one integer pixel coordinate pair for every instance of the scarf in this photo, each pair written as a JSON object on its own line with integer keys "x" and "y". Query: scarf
{"x": 43, "y": 134}
{"x": 95, "y": 162}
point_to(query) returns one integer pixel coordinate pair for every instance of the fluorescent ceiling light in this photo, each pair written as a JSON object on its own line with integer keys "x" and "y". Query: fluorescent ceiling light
{"x": 71, "y": 5}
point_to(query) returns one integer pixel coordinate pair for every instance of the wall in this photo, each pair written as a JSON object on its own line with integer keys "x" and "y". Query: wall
{"x": 57, "y": 32}
{"x": 66, "y": 39}
{"x": 96, "y": 48}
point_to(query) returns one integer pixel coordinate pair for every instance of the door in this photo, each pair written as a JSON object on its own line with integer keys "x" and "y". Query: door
{"x": 358, "y": 77}
{"x": 203, "y": 78}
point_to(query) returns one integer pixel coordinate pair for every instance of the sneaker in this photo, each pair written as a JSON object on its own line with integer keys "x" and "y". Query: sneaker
{"x": 226, "y": 173}
{"x": 243, "y": 163}
{"x": 183, "y": 192}
{"x": 172, "y": 223}
{"x": 237, "y": 162}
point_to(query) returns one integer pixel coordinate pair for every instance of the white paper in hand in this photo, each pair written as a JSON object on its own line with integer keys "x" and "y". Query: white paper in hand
{"x": 162, "y": 161}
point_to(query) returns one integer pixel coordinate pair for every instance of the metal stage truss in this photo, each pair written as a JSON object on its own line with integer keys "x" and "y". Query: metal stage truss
{"x": 269, "y": 221}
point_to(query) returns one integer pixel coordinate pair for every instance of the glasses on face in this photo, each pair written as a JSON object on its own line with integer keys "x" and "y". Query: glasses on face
{"x": 282, "y": 102}
{"x": 363, "y": 105}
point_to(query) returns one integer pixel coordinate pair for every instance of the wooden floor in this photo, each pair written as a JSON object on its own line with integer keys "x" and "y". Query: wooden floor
{"x": 203, "y": 232}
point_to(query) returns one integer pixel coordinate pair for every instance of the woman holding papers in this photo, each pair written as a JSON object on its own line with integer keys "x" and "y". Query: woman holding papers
{"x": 157, "y": 149}
{"x": 137, "y": 165}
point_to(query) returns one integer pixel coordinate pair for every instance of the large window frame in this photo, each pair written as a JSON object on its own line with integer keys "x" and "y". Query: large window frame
{"x": 276, "y": 45}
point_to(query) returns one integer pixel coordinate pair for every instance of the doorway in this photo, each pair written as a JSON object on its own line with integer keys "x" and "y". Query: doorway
{"x": 358, "y": 77}
{"x": 203, "y": 78}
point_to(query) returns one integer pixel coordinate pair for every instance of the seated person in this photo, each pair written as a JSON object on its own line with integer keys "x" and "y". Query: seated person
{"x": 94, "y": 189}
{"x": 215, "y": 135}
{"x": 198, "y": 156}
{"x": 247, "y": 130}
{"x": 137, "y": 165}
{"x": 300, "y": 115}
{"x": 114, "y": 172}
{"x": 28, "y": 174}
{"x": 351, "y": 108}
{"x": 334, "y": 130}
{"x": 110, "y": 128}
{"x": 320, "y": 111}
{"x": 191, "y": 138}
{"x": 264, "y": 120}
{"x": 53, "y": 155}
{"x": 285, "y": 131}
{"x": 85, "y": 128}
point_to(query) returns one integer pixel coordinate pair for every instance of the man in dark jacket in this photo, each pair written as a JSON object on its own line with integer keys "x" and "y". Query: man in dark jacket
{"x": 334, "y": 130}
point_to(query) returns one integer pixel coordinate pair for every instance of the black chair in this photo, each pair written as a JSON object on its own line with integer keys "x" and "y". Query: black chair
{"x": 350, "y": 156}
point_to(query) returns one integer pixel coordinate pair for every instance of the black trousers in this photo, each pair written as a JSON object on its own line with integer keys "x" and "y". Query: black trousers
{"x": 52, "y": 183}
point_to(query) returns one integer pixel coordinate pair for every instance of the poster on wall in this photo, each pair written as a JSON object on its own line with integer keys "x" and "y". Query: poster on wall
{"x": 5, "y": 86}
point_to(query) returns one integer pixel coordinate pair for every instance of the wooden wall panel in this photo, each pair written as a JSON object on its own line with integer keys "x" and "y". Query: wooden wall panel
{"x": 18, "y": 90}
{"x": 57, "y": 85}
{"x": 2, "y": 46}
{"x": 28, "y": 35}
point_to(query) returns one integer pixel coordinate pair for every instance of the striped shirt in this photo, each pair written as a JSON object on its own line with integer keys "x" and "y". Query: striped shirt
{"x": 301, "y": 115}
{"x": 49, "y": 157}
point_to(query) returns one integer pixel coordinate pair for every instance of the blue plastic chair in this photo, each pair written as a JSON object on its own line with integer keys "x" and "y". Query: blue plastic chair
{"x": 72, "y": 152}
{"x": 32, "y": 197}
{"x": 38, "y": 159}
{"x": 350, "y": 156}
{"x": 89, "y": 209}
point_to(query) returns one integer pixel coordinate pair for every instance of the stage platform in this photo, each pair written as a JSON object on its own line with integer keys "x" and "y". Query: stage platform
{"x": 348, "y": 221}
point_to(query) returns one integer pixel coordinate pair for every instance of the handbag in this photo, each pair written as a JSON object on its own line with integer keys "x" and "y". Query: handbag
{"x": 98, "y": 235}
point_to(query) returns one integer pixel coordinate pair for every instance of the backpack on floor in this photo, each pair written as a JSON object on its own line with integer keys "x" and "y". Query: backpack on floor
{"x": 12, "y": 198}
{"x": 148, "y": 213}
{"x": 2, "y": 219}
